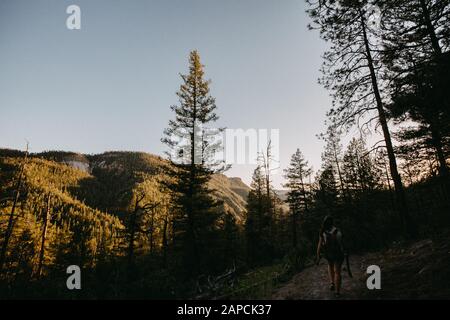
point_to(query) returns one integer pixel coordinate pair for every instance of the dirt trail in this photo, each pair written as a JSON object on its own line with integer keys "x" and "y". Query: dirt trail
{"x": 415, "y": 271}
{"x": 313, "y": 283}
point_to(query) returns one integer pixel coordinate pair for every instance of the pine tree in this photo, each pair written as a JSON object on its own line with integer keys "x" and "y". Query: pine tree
{"x": 332, "y": 158}
{"x": 360, "y": 174}
{"x": 327, "y": 191}
{"x": 351, "y": 72}
{"x": 416, "y": 98}
{"x": 231, "y": 240}
{"x": 416, "y": 29}
{"x": 417, "y": 39}
{"x": 192, "y": 149}
{"x": 299, "y": 194}
{"x": 135, "y": 224}
{"x": 267, "y": 165}
{"x": 257, "y": 224}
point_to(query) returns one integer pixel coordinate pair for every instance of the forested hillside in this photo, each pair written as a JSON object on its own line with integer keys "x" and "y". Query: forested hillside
{"x": 78, "y": 209}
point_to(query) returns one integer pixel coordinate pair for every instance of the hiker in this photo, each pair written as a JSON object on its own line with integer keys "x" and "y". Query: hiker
{"x": 331, "y": 246}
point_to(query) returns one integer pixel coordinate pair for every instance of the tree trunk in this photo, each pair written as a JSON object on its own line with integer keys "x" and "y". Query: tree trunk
{"x": 358, "y": 174}
{"x": 437, "y": 144}
{"x": 407, "y": 224}
{"x": 193, "y": 254}
{"x": 294, "y": 228}
{"x": 341, "y": 180}
{"x": 164, "y": 242}
{"x": 430, "y": 28}
{"x": 304, "y": 192}
{"x": 43, "y": 237}
{"x": 152, "y": 231}
{"x": 132, "y": 235}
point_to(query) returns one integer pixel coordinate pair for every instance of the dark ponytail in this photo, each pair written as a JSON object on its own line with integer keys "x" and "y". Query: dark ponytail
{"x": 326, "y": 225}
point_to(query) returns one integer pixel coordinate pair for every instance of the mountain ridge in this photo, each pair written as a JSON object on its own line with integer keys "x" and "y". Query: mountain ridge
{"x": 110, "y": 168}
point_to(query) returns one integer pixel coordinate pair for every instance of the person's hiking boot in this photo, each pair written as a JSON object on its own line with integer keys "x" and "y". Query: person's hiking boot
{"x": 332, "y": 287}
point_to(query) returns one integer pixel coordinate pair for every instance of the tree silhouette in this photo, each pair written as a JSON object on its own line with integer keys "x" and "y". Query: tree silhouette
{"x": 351, "y": 71}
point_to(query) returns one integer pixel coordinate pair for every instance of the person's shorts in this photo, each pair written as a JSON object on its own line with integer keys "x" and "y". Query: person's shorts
{"x": 335, "y": 259}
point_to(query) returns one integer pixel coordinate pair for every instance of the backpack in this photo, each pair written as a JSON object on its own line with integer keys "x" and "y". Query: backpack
{"x": 332, "y": 244}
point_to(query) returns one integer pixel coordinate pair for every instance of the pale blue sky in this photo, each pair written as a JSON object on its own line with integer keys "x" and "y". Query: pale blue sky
{"x": 109, "y": 85}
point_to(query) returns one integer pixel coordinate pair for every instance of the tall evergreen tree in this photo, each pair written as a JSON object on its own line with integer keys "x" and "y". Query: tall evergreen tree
{"x": 267, "y": 164}
{"x": 351, "y": 72}
{"x": 299, "y": 194}
{"x": 258, "y": 222}
{"x": 327, "y": 190}
{"x": 332, "y": 157}
{"x": 360, "y": 174}
{"x": 192, "y": 149}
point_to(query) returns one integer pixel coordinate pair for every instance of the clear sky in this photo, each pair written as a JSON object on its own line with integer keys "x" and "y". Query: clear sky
{"x": 109, "y": 85}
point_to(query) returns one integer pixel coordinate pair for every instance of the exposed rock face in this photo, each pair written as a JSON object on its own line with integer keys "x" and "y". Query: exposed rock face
{"x": 83, "y": 166}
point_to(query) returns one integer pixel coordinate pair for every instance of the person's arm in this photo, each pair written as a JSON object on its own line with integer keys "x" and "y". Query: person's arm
{"x": 341, "y": 243}
{"x": 319, "y": 246}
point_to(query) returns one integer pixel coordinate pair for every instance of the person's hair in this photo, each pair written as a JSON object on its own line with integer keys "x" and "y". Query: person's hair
{"x": 326, "y": 225}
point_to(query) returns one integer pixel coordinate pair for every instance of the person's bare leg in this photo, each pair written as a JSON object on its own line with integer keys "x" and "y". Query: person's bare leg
{"x": 331, "y": 275}
{"x": 337, "y": 276}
